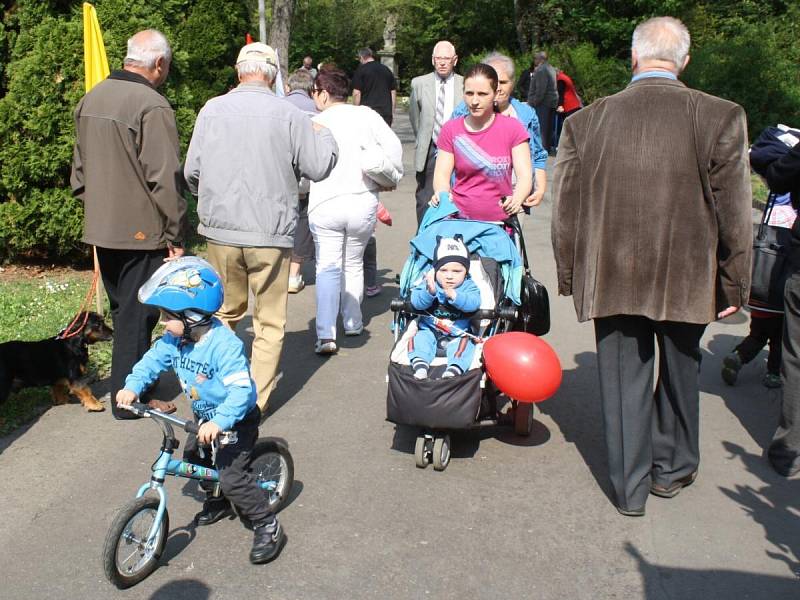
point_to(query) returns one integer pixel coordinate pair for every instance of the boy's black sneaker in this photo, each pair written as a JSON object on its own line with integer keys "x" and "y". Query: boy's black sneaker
{"x": 214, "y": 509}
{"x": 268, "y": 541}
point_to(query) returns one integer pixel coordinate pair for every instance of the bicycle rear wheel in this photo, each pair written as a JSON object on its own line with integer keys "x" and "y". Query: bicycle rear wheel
{"x": 273, "y": 469}
{"x": 127, "y": 557}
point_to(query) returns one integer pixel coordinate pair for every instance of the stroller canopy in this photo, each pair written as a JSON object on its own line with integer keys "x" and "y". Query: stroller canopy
{"x": 480, "y": 237}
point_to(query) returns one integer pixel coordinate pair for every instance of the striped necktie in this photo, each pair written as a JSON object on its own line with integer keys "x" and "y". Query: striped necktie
{"x": 438, "y": 119}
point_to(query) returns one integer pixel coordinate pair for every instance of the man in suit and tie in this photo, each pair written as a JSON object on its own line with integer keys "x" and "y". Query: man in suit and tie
{"x": 433, "y": 98}
{"x": 652, "y": 234}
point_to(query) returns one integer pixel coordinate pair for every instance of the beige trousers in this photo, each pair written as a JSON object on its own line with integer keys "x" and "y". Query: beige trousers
{"x": 265, "y": 271}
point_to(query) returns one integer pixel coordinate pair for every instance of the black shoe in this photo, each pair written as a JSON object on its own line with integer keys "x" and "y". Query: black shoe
{"x": 120, "y": 414}
{"x": 635, "y": 512}
{"x": 674, "y": 488}
{"x": 214, "y": 509}
{"x": 268, "y": 541}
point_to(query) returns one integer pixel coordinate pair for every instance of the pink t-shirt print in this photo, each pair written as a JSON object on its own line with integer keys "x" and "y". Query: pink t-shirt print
{"x": 483, "y": 164}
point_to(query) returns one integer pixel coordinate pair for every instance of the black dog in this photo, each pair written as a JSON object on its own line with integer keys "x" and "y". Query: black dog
{"x": 59, "y": 362}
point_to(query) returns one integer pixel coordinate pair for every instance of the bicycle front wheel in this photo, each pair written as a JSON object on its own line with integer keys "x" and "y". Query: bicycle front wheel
{"x": 127, "y": 556}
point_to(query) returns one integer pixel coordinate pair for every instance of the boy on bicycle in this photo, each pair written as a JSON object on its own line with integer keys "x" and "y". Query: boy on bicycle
{"x": 214, "y": 373}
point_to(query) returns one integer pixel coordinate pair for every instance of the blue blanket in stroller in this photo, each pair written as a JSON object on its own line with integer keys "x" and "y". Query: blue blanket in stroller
{"x": 480, "y": 237}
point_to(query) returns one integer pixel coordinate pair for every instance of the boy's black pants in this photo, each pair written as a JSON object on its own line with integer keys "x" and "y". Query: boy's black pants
{"x": 763, "y": 330}
{"x": 233, "y": 460}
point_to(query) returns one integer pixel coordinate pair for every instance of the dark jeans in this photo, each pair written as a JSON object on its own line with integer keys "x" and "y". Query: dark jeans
{"x": 546, "y": 115}
{"x": 233, "y": 462}
{"x": 650, "y": 437}
{"x": 763, "y": 330}
{"x": 371, "y": 263}
{"x": 124, "y": 271}
{"x": 425, "y": 183}
{"x": 784, "y": 452}
{"x": 303, "y": 240}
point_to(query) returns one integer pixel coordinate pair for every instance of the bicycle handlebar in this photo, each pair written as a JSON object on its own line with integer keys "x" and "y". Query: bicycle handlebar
{"x": 143, "y": 410}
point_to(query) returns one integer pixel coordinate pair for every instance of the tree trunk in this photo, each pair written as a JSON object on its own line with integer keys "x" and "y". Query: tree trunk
{"x": 280, "y": 30}
{"x": 523, "y": 23}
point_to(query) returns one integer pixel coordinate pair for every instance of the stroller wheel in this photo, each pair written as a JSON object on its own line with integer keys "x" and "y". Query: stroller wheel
{"x": 422, "y": 451}
{"x": 523, "y": 418}
{"x": 441, "y": 453}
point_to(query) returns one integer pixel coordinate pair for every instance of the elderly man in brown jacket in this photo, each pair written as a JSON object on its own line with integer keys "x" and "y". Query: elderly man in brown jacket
{"x": 126, "y": 169}
{"x": 652, "y": 235}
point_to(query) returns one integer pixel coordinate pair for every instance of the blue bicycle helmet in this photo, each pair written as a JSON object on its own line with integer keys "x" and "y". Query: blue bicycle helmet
{"x": 187, "y": 286}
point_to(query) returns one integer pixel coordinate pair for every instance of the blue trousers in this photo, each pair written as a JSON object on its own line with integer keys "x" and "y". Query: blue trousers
{"x": 459, "y": 349}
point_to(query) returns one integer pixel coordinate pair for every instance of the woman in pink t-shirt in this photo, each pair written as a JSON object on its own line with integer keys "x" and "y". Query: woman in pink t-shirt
{"x": 482, "y": 149}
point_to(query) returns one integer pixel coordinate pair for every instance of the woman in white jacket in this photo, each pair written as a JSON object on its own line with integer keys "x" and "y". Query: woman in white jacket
{"x": 342, "y": 207}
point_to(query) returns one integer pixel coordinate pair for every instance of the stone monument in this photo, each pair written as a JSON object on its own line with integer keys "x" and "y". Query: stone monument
{"x": 389, "y": 35}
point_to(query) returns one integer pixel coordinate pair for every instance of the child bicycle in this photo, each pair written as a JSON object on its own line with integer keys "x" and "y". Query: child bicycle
{"x": 139, "y": 532}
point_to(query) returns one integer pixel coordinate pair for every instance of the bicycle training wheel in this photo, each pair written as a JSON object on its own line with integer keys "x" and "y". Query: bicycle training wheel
{"x": 273, "y": 468}
{"x": 127, "y": 557}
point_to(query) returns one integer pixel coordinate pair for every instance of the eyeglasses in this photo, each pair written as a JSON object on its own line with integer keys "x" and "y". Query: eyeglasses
{"x": 443, "y": 58}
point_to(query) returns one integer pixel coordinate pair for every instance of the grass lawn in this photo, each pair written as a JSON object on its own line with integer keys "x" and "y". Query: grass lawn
{"x": 37, "y": 303}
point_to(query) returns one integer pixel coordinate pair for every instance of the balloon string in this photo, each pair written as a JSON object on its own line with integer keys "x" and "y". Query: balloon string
{"x": 449, "y": 328}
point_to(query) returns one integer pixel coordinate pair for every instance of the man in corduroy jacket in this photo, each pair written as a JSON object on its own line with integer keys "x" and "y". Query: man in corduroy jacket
{"x": 652, "y": 233}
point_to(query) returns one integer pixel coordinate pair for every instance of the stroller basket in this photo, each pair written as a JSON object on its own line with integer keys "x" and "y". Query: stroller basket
{"x": 438, "y": 404}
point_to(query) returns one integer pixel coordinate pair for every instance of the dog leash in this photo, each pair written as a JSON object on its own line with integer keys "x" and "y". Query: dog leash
{"x": 70, "y": 330}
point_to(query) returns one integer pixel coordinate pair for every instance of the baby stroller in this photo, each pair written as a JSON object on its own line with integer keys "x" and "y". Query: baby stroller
{"x": 439, "y": 406}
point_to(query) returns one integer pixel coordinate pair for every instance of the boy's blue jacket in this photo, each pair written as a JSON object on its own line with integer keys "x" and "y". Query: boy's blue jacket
{"x": 467, "y": 300}
{"x": 214, "y": 374}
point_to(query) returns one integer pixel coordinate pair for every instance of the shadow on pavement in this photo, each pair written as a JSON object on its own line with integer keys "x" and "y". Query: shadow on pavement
{"x": 576, "y": 410}
{"x": 756, "y": 407}
{"x": 699, "y": 584}
{"x": 775, "y": 506}
{"x": 466, "y": 443}
{"x": 178, "y": 540}
{"x": 183, "y": 589}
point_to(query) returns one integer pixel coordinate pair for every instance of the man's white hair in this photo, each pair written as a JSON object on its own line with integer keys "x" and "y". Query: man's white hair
{"x": 144, "y": 50}
{"x": 503, "y": 61}
{"x": 662, "y": 38}
{"x": 257, "y": 67}
{"x": 444, "y": 45}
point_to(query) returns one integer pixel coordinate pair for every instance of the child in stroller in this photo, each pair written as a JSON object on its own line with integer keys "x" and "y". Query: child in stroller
{"x": 447, "y": 293}
{"x": 440, "y": 405}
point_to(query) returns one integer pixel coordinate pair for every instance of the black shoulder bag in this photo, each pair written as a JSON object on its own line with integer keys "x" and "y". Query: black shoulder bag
{"x": 534, "y": 310}
{"x": 771, "y": 247}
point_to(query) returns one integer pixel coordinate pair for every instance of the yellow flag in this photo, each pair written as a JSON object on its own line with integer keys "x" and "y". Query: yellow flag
{"x": 94, "y": 51}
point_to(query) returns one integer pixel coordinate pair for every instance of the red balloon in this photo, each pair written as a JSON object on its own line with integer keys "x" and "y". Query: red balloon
{"x": 522, "y": 366}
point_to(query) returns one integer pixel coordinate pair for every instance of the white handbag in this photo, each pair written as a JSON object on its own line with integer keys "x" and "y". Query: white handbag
{"x": 382, "y": 155}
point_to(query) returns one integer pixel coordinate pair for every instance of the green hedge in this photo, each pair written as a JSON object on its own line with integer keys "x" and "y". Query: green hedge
{"x": 44, "y": 80}
{"x": 742, "y": 50}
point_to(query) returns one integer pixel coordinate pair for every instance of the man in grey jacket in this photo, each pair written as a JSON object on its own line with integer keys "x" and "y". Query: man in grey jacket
{"x": 543, "y": 96}
{"x": 247, "y": 151}
{"x": 126, "y": 170}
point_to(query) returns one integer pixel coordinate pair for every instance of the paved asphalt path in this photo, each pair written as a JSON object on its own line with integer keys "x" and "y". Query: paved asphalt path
{"x": 510, "y": 518}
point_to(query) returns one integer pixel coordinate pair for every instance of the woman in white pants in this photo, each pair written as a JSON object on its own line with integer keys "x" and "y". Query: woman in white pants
{"x": 342, "y": 207}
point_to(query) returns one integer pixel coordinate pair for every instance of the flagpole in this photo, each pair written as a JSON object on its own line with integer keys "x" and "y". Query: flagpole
{"x": 96, "y": 69}
{"x": 262, "y": 22}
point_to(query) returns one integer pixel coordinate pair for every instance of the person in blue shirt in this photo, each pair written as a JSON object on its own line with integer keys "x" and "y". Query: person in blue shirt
{"x": 447, "y": 293}
{"x": 214, "y": 373}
